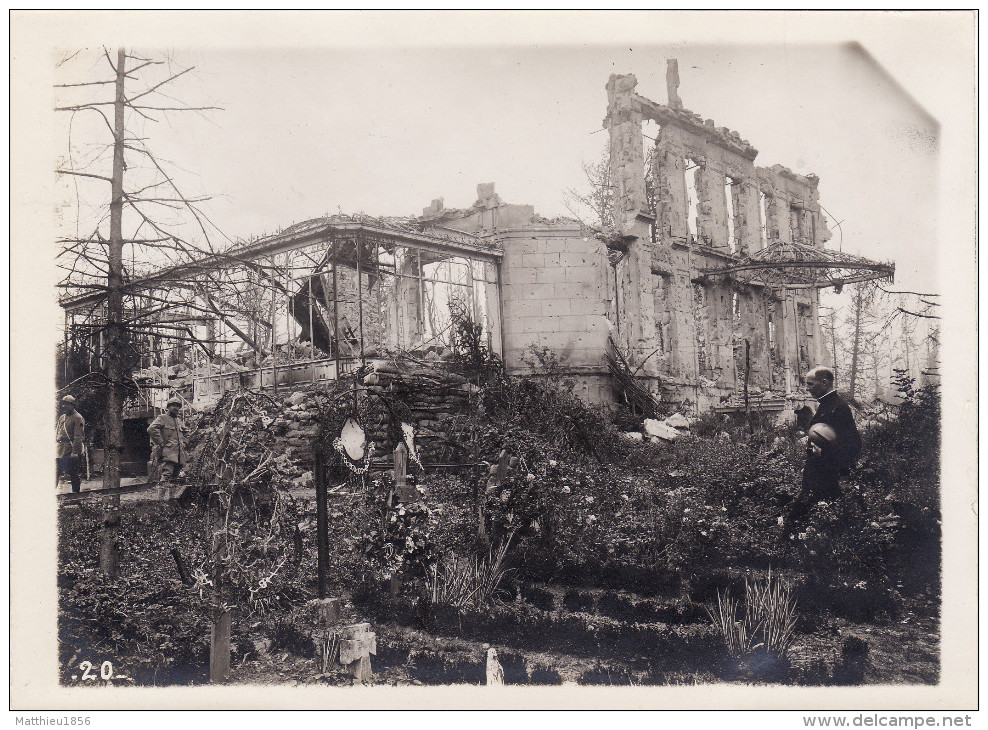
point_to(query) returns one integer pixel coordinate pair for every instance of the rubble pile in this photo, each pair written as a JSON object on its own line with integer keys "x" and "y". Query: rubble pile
{"x": 656, "y": 431}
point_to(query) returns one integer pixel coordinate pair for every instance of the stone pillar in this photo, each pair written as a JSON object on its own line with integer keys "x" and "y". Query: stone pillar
{"x": 670, "y": 179}
{"x": 821, "y": 233}
{"x": 773, "y": 228}
{"x": 747, "y": 219}
{"x": 713, "y": 230}
{"x": 627, "y": 157}
{"x": 682, "y": 327}
{"x": 636, "y": 299}
{"x": 795, "y": 225}
{"x": 754, "y": 326}
{"x": 818, "y": 354}
{"x": 783, "y": 218}
{"x": 789, "y": 341}
{"x": 407, "y": 300}
{"x": 720, "y": 303}
{"x": 627, "y": 169}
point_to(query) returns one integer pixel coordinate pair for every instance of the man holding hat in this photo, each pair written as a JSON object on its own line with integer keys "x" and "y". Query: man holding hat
{"x": 69, "y": 434}
{"x": 832, "y": 445}
{"x": 167, "y": 440}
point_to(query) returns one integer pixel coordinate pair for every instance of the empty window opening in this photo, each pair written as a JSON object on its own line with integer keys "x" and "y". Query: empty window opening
{"x": 692, "y": 199}
{"x": 729, "y": 184}
{"x": 763, "y": 215}
{"x": 794, "y": 224}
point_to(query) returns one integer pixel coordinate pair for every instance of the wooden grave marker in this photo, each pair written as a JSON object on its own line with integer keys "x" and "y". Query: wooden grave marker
{"x": 357, "y": 643}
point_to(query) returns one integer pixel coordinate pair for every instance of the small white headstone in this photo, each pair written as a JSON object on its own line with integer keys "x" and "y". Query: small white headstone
{"x": 495, "y": 672}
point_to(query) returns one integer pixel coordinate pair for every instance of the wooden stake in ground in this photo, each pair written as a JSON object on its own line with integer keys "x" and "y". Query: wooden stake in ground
{"x": 183, "y": 572}
{"x": 219, "y": 634}
{"x": 322, "y": 523}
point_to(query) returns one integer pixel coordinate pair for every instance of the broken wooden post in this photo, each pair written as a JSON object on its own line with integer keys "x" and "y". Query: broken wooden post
{"x": 326, "y": 637}
{"x": 322, "y": 522}
{"x": 183, "y": 572}
{"x": 357, "y": 643}
{"x": 219, "y": 647}
{"x": 327, "y": 610}
{"x": 109, "y": 547}
{"x": 219, "y": 634}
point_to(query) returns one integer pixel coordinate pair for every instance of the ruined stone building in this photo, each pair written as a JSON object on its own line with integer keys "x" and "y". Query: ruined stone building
{"x": 708, "y": 207}
{"x": 685, "y": 279}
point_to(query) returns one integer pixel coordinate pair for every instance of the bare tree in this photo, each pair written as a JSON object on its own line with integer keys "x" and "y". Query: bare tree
{"x": 593, "y": 205}
{"x": 877, "y": 329}
{"x": 144, "y": 224}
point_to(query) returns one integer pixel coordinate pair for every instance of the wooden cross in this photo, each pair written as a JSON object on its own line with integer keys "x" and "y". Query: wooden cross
{"x": 357, "y": 643}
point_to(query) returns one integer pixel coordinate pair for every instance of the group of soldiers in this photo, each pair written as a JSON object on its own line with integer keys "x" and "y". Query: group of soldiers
{"x": 167, "y": 443}
{"x": 832, "y": 445}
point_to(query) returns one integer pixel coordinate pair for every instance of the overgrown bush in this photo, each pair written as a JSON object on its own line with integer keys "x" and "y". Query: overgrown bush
{"x": 472, "y": 353}
{"x": 898, "y": 480}
{"x": 545, "y": 405}
{"x": 397, "y": 542}
{"x": 147, "y": 623}
{"x": 901, "y": 455}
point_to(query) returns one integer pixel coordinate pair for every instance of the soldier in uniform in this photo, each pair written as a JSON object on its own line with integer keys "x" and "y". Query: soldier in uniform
{"x": 69, "y": 435}
{"x": 168, "y": 442}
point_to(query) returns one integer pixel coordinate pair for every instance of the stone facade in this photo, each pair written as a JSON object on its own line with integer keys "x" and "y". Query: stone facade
{"x": 712, "y": 206}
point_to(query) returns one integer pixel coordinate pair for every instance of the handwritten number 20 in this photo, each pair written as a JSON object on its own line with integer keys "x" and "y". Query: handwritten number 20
{"x": 105, "y": 670}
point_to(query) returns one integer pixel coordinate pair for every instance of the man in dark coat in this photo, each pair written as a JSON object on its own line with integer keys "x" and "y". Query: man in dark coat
{"x": 168, "y": 442}
{"x": 832, "y": 445}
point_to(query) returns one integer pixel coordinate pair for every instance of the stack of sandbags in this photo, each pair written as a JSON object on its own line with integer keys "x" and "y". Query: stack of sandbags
{"x": 297, "y": 423}
{"x": 428, "y": 398}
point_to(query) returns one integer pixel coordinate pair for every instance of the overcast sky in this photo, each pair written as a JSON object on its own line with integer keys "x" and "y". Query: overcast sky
{"x": 308, "y": 130}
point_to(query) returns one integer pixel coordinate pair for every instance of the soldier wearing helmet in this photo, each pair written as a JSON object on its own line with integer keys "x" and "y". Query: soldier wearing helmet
{"x": 832, "y": 445}
{"x": 167, "y": 442}
{"x": 69, "y": 435}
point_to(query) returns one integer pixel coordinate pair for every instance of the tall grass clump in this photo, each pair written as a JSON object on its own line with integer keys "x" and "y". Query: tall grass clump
{"x": 465, "y": 583}
{"x": 767, "y": 622}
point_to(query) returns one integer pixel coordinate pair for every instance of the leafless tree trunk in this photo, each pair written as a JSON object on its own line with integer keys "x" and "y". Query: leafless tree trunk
{"x": 856, "y": 340}
{"x": 109, "y": 554}
{"x": 115, "y": 334}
